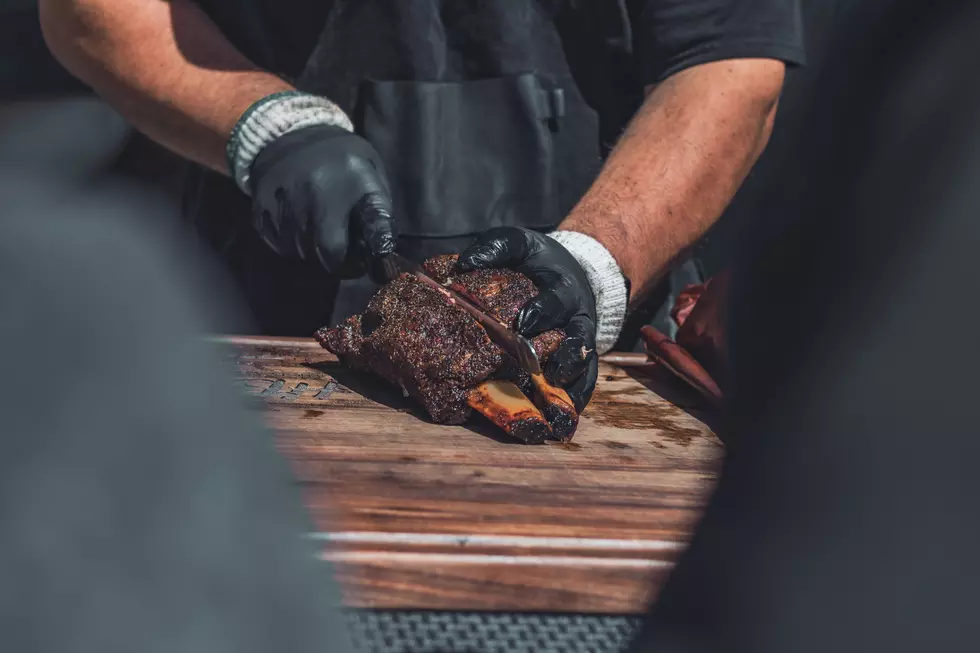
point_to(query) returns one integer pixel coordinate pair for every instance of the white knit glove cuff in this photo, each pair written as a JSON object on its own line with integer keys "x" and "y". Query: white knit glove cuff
{"x": 607, "y": 281}
{"x": 272, "y": 117}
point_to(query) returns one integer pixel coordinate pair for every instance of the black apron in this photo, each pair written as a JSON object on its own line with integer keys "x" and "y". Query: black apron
{"x": 475, "y": 112}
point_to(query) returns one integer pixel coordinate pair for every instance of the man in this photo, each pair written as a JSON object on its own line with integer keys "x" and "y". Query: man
{"x": 356, "y": 126}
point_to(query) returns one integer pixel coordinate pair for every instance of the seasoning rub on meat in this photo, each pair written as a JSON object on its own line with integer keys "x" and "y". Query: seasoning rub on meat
{"x": 413, "y": 335}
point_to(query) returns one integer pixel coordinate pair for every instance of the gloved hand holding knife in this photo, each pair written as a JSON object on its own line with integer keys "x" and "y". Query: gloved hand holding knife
{"x": 318, "y": 191}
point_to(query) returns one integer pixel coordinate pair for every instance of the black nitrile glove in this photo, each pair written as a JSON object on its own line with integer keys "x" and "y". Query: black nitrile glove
{"x": 322, "y": 192}
{"x": 565, "y": 301}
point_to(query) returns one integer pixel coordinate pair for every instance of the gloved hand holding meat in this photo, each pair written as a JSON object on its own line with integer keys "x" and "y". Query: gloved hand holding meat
{"x": 565, "y": 300}
{"x": 416, "y": 336}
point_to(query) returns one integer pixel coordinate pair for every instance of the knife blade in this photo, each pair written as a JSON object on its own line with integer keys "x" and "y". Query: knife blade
{"x": 513, "y": 343}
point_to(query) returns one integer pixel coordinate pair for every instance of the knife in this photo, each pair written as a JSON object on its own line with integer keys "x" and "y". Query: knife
{"x": 513, "y": 343}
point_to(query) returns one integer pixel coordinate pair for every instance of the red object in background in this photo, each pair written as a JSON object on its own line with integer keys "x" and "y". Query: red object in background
{"x": 702, "y": 326}
{"x": 698, "y": 356}
{"x": 686, "y": 301}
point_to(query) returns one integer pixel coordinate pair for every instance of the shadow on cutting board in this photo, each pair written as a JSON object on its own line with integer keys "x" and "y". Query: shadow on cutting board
{"x": 671, "y": 389}
{"x": 371, "y": 387}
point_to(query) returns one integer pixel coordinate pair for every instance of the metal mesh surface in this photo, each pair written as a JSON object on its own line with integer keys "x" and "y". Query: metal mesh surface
{"x": 488, "y": 632}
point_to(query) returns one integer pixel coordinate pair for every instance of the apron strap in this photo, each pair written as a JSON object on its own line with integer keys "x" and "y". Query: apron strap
{"x": 549, "y": 105}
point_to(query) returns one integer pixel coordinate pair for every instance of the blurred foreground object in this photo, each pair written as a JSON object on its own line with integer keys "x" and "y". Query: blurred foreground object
{"x": 846, "y": 518}
{"x": 71, "y": 139}
{"x": 141, "y": 507}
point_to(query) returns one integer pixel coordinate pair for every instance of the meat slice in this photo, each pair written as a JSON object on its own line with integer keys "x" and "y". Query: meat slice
{"x": 413, "y": 335}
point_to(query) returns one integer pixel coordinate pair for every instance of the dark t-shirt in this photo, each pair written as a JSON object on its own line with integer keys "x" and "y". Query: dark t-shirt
{"x": 614, "y": 48}
{"x": 671, "y": 35}
{"x": 652, "y": 38}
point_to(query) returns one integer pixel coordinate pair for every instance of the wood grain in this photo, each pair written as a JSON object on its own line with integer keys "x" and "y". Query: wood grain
{"x": 423, "y": 516}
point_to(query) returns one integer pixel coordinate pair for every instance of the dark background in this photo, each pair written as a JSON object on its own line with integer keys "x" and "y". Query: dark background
{"x": 26, "y": 68}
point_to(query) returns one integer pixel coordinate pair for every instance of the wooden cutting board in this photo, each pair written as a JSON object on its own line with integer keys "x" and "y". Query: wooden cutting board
{"x": 422, "y": 516}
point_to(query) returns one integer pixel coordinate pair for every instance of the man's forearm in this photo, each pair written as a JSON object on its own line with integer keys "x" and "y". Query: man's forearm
{"x": 679, "y": 164}
{"x": 162, "y": 64}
